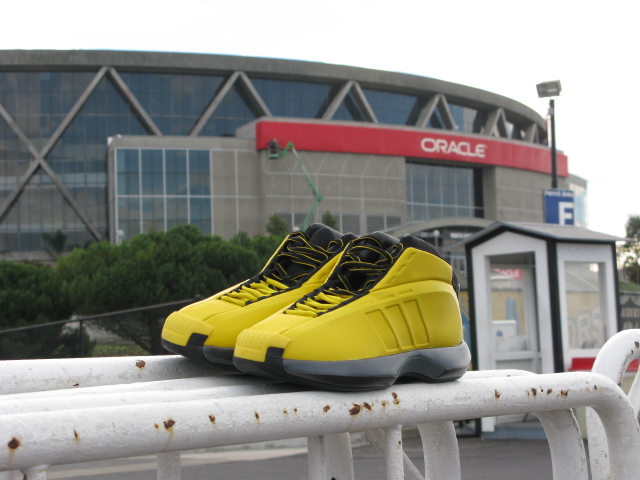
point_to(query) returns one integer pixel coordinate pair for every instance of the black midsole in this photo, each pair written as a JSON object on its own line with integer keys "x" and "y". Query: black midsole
{"x": 196, "y": 350}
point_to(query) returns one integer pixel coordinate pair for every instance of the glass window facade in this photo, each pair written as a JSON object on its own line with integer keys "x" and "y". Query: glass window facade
{"x": 39, "y": 212}
{"x": 464, "y": 118}
{"x": 438, "y": 191}
{"x": 79, "y": 156}
{"x": 173, "y": 101}
{"x": 161, "y": 188}
{"x": 436, "y": 120}
{"x": 393, "y": 108}
{"x": 289, "y": 98}
{"x": 235, "y": 110}
{"x": 349, "y": 110}
{"x": 38, "y": 101}
{"x": 14, "y": 160}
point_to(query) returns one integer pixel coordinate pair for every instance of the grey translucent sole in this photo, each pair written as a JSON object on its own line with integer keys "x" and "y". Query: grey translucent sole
{"x": 429, "y": 365}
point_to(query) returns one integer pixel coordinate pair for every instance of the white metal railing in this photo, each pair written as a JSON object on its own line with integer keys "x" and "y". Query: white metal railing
{"x": 55, "y": 412}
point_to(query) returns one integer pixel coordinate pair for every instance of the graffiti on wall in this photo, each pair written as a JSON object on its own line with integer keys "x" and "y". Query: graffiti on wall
{"x": 630, "y": 310}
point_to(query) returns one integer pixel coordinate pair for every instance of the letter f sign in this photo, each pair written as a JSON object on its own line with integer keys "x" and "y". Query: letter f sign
{"x": 565, "y": 213}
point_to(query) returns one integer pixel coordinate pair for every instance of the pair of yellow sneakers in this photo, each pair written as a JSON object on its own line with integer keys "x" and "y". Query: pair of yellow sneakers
{"x": 336, "y": 312}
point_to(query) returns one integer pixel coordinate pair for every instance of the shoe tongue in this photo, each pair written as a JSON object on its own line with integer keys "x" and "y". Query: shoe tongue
{"x": 419, "y": 244}
{"x": 320, "y": 235}
{"x": 378, "y": 240}
{"x": 384, "y": 239}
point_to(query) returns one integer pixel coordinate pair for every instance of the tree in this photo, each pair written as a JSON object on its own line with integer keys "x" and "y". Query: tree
{"x": 631, "y": 250}
{"x": 31, "y": 294}
{"x": 329, "y": 220}
{"x": 150, "y": 269}
{"x": 277, "y": 226}
{"x": 55, "y": 243}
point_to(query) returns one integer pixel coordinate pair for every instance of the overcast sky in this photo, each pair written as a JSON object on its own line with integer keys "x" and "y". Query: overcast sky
{"x": 503, "y": 46}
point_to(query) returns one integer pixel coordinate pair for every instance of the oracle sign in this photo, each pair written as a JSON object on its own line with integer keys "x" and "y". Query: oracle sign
{"x": 463, "y": 148}
{"x": 321, "y": 136}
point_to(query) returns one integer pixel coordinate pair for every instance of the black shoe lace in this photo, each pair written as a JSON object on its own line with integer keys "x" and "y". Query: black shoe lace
{"x": 296, "y": 255}
{"x": 353, "y": 276}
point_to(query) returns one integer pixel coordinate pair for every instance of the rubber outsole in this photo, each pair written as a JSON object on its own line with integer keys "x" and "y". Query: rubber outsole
{"x": 433, "y": 365}
{"x": 196, "y": 350}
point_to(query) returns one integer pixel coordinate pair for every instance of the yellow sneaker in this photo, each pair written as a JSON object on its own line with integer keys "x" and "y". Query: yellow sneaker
{"x": 206, "y": 331}
{"x": 389, "y": 310}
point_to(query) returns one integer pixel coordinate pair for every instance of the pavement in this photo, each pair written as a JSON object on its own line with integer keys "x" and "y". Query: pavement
{"x": 480, "y": 459}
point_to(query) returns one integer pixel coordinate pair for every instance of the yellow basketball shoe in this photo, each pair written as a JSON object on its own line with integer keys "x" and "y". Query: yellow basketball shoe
{"x": 206, "y": 331}
{"x": 388, "y": 310}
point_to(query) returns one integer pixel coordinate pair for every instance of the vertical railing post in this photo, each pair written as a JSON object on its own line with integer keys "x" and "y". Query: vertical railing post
{"x": 36, "y": 473}
{"x": 441, "y": 452}
{"x": 394, "y": 452}
{"x": 330, "y": 456}
{"x": 169, "y": 467}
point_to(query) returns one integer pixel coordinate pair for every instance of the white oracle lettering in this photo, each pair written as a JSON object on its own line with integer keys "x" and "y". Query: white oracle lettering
{"x": 453, "y": 148}
{"x": 464, "y": 149}
{"x": 429, "y": 145}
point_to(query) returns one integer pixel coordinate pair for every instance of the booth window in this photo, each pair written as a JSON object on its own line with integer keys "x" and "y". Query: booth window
{"x": 584, "y": 293}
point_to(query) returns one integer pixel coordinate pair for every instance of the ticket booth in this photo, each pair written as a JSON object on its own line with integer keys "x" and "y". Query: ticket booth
{"x": 542, "y": 297}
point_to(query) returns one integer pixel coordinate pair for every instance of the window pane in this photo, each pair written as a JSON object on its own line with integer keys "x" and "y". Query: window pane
{"x": 174, "y": 101}
{"x": 176, "y": 173}
{"x": 177, "y": 212}
{"x": 128, "y": 217}
{"x": 199, "y": 172}
{"x": 394, "y": 108}
{"x": 289, "y": 98}
{"x": 152, "y": 178}
{"x": 587, "y": 328}
{"x": 201, "y": 214}
{"x": 128, "y": 172}
{"x": 464, "y": 117}
{"x": 437, "y": 191}
{"x": 153, "y": 214}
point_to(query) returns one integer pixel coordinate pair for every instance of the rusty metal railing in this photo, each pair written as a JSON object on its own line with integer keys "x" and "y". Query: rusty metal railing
{"x": 55, "y": 412}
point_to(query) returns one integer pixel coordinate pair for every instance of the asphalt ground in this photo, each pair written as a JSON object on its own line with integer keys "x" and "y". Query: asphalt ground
{"x": 480, "y": 459}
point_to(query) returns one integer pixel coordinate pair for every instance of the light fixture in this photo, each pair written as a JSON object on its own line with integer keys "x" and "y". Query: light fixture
{"x": 549, "y": 89}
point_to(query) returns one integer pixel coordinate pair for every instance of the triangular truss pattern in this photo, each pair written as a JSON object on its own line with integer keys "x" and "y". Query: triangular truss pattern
{"x": 351, "y": 87}
{"x": 248, "y": 87}
{"x": 131, "y": 99}
{"x": 41, "y": 202}
{"x": 496, "y": 124}
{"x": 532, "y": 134}
{"x": 39, "y": 161}
{"x": 437, "y": 102}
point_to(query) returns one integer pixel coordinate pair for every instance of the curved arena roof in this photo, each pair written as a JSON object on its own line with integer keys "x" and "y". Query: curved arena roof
{"x": 436, "y": 101}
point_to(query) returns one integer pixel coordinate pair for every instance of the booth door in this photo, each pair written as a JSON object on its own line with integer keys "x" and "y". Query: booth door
{"x": 514, "y": 325}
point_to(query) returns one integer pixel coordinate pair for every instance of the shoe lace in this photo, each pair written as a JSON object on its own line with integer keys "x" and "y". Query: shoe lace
{"x": 353, "y": 277}
{"x": 273, "y": 279}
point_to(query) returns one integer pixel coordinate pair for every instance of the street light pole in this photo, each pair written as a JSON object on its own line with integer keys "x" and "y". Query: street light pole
{"x": 551, "y": 89}
{"x": 554, "y": 161}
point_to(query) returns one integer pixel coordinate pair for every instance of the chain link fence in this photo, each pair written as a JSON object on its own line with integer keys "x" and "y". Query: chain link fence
{"x": 135, "y": 330}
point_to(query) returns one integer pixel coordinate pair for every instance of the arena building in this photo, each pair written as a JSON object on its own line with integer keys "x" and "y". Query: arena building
{"x": 105, "y": 144}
